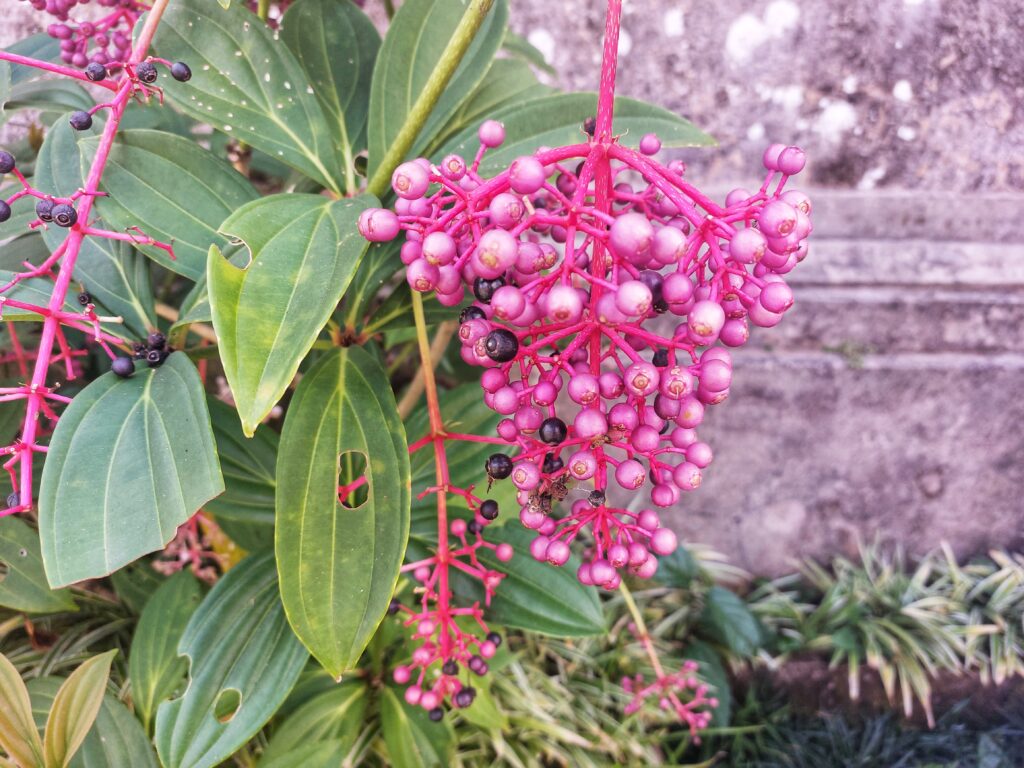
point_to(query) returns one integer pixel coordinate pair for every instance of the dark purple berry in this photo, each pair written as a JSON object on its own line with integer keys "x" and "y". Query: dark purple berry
{"x": 552, "y": 464}
{"x": 660, "y": 359}
{"x": 157, "y": 340}
{"x": 84, "y": 298}
{"x": 494, "y": 639}
{"x": 501, "y": 345}
{"x": 484, "y": 289}
{"x": 498, "y": 466}
{"x": 590, "y": 126}
{"x": 596, "y": 498}
{"x": 64, "y": 215}
{"x": 553, "y": 431}
{"x": 489, "y": 509}
{"x": 146, "y": 72}
{"x": 14, "y": 500}
{"x": 155, "y": 358}
{"x": 139, "y": 351}
{"x": 5, "y": 211}
{"x": 394, "y": 607}
{"x": 96, "y": 71}
{"x": 80, "y": 120}
{"x": 123, "y": 367}
{"x": 7, "y": 162}
{"x": 465, "y": 697}
{"x": 474, "y": 527}
{"x": 471, "y": 312}
{"x": 450, "y": 667}
{"x": 181, "y": 72}
{"x": 44, "y": 210}
{"x": 436, "y": 715}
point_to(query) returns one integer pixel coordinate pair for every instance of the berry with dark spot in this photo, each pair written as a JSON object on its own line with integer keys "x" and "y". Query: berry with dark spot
{"x": 156, "y": 340}
{"x": 484, "y": 289}
{"x": 501, "y": 345}
{"x": 180, "y": 71}
{"x": 471, "y": 312}
{"x": 450, "y": 667}
{"x": 5, "y": 211}
{"x": 44, "y": 210}
{"x": 64, "y": 215}
{"x": 494, "y": 638}
{"x": 596, "y": 498}
{"x": 498, "y": 466}
{"x": 14, "y": 500}
{"x": 465, "y": 697}
{"x": 7, "y": 162}
{"x": 146, "y": 72}
{"x": 155, "y": 358}
{"x": 84, "y": 298}
{"x": 436, "y": 715}
{"x": 489, "y": 509}
{"x": 80, "y": 120}
{"x": 123, "y": 367}
{"x": 96, "y": 71}
{"x": 553, "y": 431}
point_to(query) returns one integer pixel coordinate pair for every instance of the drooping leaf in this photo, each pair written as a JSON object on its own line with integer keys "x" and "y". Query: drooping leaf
{"x": 339, "y": 566}
{"x": 74, "y": 710}
{"x": 557, "y": 120}
{"x": 130, "y": 461}
{"x": 248, "y": 85}
{"x": 23, "y": 586}
{"x": 18, "y": 735}
{"x": 335, "y": 716}
{"x": 154, "y": 666}
{"x": 115, "y": 275}
{"x": 412, "y": 739}
{"x": 115, "y": 739}
{"x": 336, "y": 45}
{"x": 416, "y": 40}
{"x": 304, "y": 251}
{"x": 727, "y": 620}
{"x": 243, "y": 661}
{"x": 173, "y": 190}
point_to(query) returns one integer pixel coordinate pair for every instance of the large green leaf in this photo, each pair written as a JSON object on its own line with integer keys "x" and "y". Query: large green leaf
{"x": 336, "y": 45}
{"x": 130, "y": 461}
{"x": 727, "y": 620}
{"x": 417, "y": 38}
{"x": 413, "y": 741}
{"x": 339, "y": 566}
{"x": 116, "y": 738}
{"x": 248, "y": 85}
{"x": 304, "y": 250}
{"x": 74, "y": 710}
{"x": 38, "y": 46}
{"x": 155, "y": 668}
{"x": 335, "y": 716}
{"x": 23, "y": 586}
{"x": 557, "y": 120}
{"x": 249, "y": 467}
{"x": 173, "y": 190}
{"x": 18, "y": 735}
{"x": 244, "y": 659}
{"x": 115, "y": 275}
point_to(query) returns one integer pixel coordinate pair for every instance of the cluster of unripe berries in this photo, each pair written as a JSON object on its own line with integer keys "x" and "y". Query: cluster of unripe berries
{"x": 576, "y": 269}
{"x": 104, "y": 40}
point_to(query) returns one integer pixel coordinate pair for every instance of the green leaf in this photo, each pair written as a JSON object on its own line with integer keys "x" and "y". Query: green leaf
{"x": 246, "y": 84}
{"x": 518, "y": 46}
{"x": 38, "y": 46}
{"x": 244, "y": 660}
{"x": 74, "y": 710}
{"x": 678, "y": 569}
{"x": 377, "y": 266}
{"x": 727, "y": 620}
{"x": 557, "y": 120}
{"x": 712, "y": 671}
{"x": 484, "y": 712}
{"x": 47, "y": 96}
{"x": 154, "y": 666}
{"x": 417, "y": 38}
{"x": 136, "y": 583}
{"x": 18, "y": 735}
{"x": 195, "y": 307}
{"x": 35, "y": 290}
{"x": 339, "y": 566}
{"x": 116, "y": 276}
{"x": 305, "y": 249}
{"x": 130, "y": 461}
{"x": 249, "y": 466}
{"x": 115, "y": 739}
{"x": 533, "y": 596}
{"x": 23, "y": 586}
{"x": 336, "y": 45}
{"x": 336, "y": 716}
{"x": 329, "y": 753}
{"x": 413, "y": 741}
{"x": 173, "y": 190}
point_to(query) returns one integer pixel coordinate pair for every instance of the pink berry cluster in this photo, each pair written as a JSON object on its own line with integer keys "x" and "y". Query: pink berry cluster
{"x": 670, "y": 689}
{"x": 576, "y": 258}
{"x": 104, "y": 40}
{"x": 449, "y": 651}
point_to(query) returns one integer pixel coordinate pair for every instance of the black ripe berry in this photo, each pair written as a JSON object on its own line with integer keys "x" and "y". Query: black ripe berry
{"x": 95, "y": 71}
{"x": 660, "y": 359}
{"x": 139, "y": 351}
{"x": 6, "y": 162}
{"x": 498, "y": 466}
{"x": 553, "y": 431}
{"x": 155, "y": 358}
{"x": 501, "y": 345}
{"x": 123, "y": 367}
{"x": 450, "y": 667}
{"x": 80, "y": 120}
{"x": 5, "y": 211}
{"x": 489, "y": 509}
{"x": 64, "y": 215}
{"x": 394, "y": 607}
{"x": 44, "y": 210}
{"x": 596, "y": 498}
{"x": 156, "y": 340}
{"x": 552, "y": 464}
{"x": 181, "y": 72}
{"x": 84, "y": 298}
{"x": 494, "y": 638}
{"x": 436, "y": 715}
{"x": 471, "y": 312}
{"x": 465, "y": 697}
{"x": 478, "y": 665}
{"x": 474, "y": 527}
{"x": 14, "y": 500}
{"x": 483, "y": 288}
{"x": 590, "y": 126}
{"x": 146, "y": 72}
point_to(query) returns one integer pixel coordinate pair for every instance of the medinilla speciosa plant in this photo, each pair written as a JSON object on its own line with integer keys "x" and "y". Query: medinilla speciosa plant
{"x": 208, "y": 311}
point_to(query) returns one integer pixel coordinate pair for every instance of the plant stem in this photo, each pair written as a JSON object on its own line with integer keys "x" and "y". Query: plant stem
{"x": 609, "y": 62}
{"x": 263, "y": 9}
{"x": 460, "y": 41}
{"x": 641, "y": 628}
{"x": 412, "y": 395}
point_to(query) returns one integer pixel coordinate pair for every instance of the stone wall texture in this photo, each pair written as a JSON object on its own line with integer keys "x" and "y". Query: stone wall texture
{"x": 890, "y": 402}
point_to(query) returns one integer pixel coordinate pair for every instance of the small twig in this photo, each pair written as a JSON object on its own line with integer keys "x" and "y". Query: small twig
{"x": 412, "y": 394}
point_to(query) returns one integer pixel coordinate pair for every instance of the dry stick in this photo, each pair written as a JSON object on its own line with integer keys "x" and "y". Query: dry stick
{"x": 412, "y": 395}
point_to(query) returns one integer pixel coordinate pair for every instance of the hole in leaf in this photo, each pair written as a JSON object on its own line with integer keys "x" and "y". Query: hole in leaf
{"x": 353, "y": 486}
{"x": 227, "y": 705}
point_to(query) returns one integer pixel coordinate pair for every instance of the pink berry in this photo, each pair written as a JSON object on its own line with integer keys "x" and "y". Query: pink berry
{"x": 526, "y": 175}
{"x": 564, "y": 304}
{"x": 630, "y": 237}
{"x": 378, "y": 225}
{"x": 413, "y": 694}
{"x": 747, "y": 246}
{"x": 777, "y": 219}
{"x": 633, "y": 298}
{"x": 771, "y": 156}
{"x": 668, "y": 246}
{"x": 504, "y": 552}
{"x": 401, "y": 675}
{"x": 630, "y": 474}
{"x": 506, "y": 210}
{"x": 539, "y": 548}
{"x": 687, "y": 476}
{"x": 557, "y": 552}
{"x": 664, "y": 542}
{"x": 776, "y": 297}
{"x": 410, "y": 180}
{"x": 495, "y": 253}
{"x": 648, "y": 519}
{"x": 590, "y": 423}
{"x": 438, "y": 248}
{"x": 582, "y": 465}
{"x": 705, "y": 320}
{"x": 491, "y": 133}
{"x": 650, "y": 144}
{"x": 791, "y": 160}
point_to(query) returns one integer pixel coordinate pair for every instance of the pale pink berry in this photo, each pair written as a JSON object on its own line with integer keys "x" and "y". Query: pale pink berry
{"x": 630, "y": 237}
{"x": 648, "y": 519}
{"x": 650, "y": 144}
{"x": 495, "y": 253}
{"x": 687, "y": 476}
{"x": 410, "y": 180}
{"x": 557, "y": 552}
{"x": 526, "y": 175}
{"x": 630, "y": 474}
{"x": 504, "y": 552}
{"x": 491, "y": 133}
{"x": 664, "y": 542}
{"x": 438, "y": 248}
{"x": 633, "y": 298}
{"x": 378, "y": 225}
